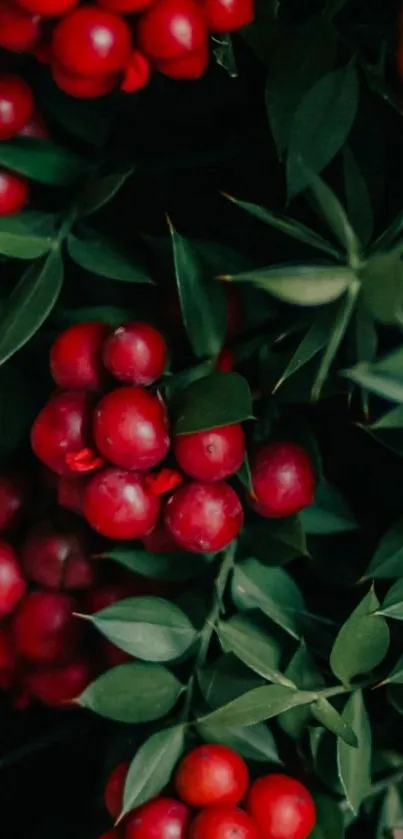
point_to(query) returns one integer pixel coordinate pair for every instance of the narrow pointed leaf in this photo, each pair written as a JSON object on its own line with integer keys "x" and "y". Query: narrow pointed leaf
{"x": 304, "y": 285}
{"x": 359, "y": 207}
{"x": 386, "y": 270}
{"x": 123, "y": 693}
{"x": 392, "y": 606}
{"x": 42, "y": 161}
{"x": 328, "y": 514}
{"x": 152, "y": 766}
{"x": 99, "y": 255}
{"x": 340, "y": 325}
{"x": 362, "y": 642}
{"x": 329, "y": 819}
{"x": 302, "y": 670}
{"x": 99, "y": 191}
{"x": 253, "y": 648}
{"x": 387, "y": 561}
{"x": 354, "y": 765}
{"x": 213, "y": 401}
{"x": 256, "y": 742}
{"x": 327, "y": 715}
{"x": 19, "y": 240}
{"x": 392, "y": 419}
{"x": 171, "y": 566}
{"x": 334, "y": 214}
{"x": 314, "y": 340}
{"x": 257, "y": 705}
{"x": 272, "y": 590}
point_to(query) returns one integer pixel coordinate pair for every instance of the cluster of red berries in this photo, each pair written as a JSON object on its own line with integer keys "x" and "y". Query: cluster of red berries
{"x": 91, "y": 49}
{"x": 214, "y": 779}
{"x": 18, "y": 118}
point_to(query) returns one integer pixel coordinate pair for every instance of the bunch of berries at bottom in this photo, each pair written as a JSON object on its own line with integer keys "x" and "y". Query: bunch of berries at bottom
{"x": 18, "y": 118}
{"x": 213, "y": 780}
{"x": 92, "y": 49}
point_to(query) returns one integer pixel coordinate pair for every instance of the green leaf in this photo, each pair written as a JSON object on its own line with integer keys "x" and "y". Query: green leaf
{"x": 324, "y": 713}
{"x": 257, "y": 705}
{"x": 253, "y": 647}
{"x": 391, "y": 814}
{"x": 172, "y": 566}
{"x": 30, "y": 303}
{"x": 362, "y": 642}
{"x": 329, "y": 819}
{"x": 340, "y": 325}
{"x": 314, "y": 340}
{"x": 148, "y": 628}
{"x": 276, "y": 541}
{"x": 132, "y": 693}
{"x": 202, "y": 301}
{"x": 100, "y": 190}
{"x": 18, "y": 239}
{"x": 392, "y": 419}
{"x": 255, "y": 742}
{"x": 225, "y": 680}
{"x": 383, "y": 270}
{"x": 396, "y": 675}
{"x": 321, "y": 125}
{"x": 334, "y": 214}
{"x": 17, "y": 408}
{"x": 392, "y": 606}
{"x": 304, "y": 285}
{"x": 272, "y": 590}
{"x": 328, "y": 514}
{"x": 383, "y": 377}
{"x": 354, "y": 765}
{"x": 152, "y": 766}
{"x": 303, "y": 671}
{"x": 42, "y": 161}
{"x": 359, "y": 207}
{"x": 97, "y": 254}
{"x": 213, "y": 401}
{"x": 112, "y": 315}
{"x": 389, "y": 235}
{"x": 387, "y": 561}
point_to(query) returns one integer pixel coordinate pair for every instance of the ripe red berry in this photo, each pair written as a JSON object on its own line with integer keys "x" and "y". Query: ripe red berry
{"x": 44, "y": 628}
{"x": 136, "y": 72}
{"x": 135, "y": 353}
{"x": 101, "y": 597}
{"x": 228, "y": 15}
{"x": 131, "y": 428}
{"x": 111, "y": 656}
{"x": 189, "y": 66}
{"x": 63, "y": 427}
{"x": 283, "y": 480}
{"x": 281, "y": 807}
{"x": 172, "y": 29}
{"x": 14, "y": 496}
{"x": 16, "y": 106}
{"x": 90, "y": 41}
{"x": 19, "y": 29}
{"x": 35, "y": 128}
{"x": 48, "y": 8}
{"x": 160, "y": 541}
{"x": 161, "y": 818}
{"x": 211, "y": 455}
{"x": 223, "y": 821}
{"x": 76, "y": 356}
{"x": 204, "y": 517}
{"x": 12, "y": 583}
{"x": 113, "y": 794}
{"x": 14, "y": 191}
{"x": 8, "y": 661}
{"x": 118, "y": 505}
{"x": 57, "y": 560}
{"x": 58, "y": 685}
{"x": 211, "y": 774}
{"x": 82, "y": 87}
{"x": 125, "y": 7}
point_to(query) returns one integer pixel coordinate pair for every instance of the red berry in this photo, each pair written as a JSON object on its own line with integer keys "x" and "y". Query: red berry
{"x": 135, "y": 353}
{"x": 211, "y": 455}
{"x": 131, "y": 428}
{"x": 92, "y": 42}
{"x": 172, "y": 29}
{"x": 125, "y": 7}
{"x": 160, "y": 541}
{"x": 71, "y": 491}
{"x": 76, "y": 356}
{"x": 113, "y": 795}
{"x": 136, "y": 72}
{"x": 82, "y": 87}
{"x": 44, "y": 628}
{"x": 35, "y": 128}
{"x": 161, "y": 818}
{"x": 225, "y": 361}
{"x": 12, "y": 583}
{"x": 223, "y": 821}
{"x": 211, "y": 774}
{"x": 190, "y": 66}
{"x": 100, "y": 598}
{"x": 14, "y": 496}
{"x": 281, "y": 807}
{"x": 57, "y": 686}
{"x": 204, "y": 517}
{"x": 48, "y": 8}
{"x": 14, "y": 191}
{"x": 16, "y": 106}
{"x": 283, "y": 480}
{"x": 110, "y": 655}
{"x": 63, "y": 427}
{"x": 228, "y": 15}
{"x": 118, "y": 505}
{"x": 57, "y": 560}
{"x": 19, "y": 29}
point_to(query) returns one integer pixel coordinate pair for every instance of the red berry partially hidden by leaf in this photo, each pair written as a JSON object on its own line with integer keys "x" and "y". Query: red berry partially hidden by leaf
{"x": 281, "y": 807}
{"x": 14, "y": 192}
{"x": 113, "y": 795}
{"x": 211, "y": 455}
{"x": 189, "y": 66}
{"x": 204, "y": 517}
{"x": 14, "y": 496}
{"x": 131, "y": 428}
{"x": 172, "y": 29}
{"x": 82, "y": 87}
{"x": 136, "y": 353}
{"x": 211, "y": 774}
{"x": 59, "y": 685}
{"x": 44, "y": 628}
{"x": 118, "y": 505}
{"x": 223, "y": 821}
{"x": 90, "y": 41}
{"x": 161, "y": 818}
{"x": 19, "y": 29}
{"x": 12, "y": 583}
{"x": 62, "y": 427}
{"x": 228, "y": 15}
{"x": 57, "y": 560}
{"x": 283, "y": 480}
{"x": 48, "y": 8}
{"x": 16, "y": 106}
{"x": 76, "y": 356}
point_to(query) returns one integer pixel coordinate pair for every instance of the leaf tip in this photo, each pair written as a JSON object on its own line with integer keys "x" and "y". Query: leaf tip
{"x": 228, "y": 197}
{"x": 225, "y": 278}
{"x": 169, "y": 223}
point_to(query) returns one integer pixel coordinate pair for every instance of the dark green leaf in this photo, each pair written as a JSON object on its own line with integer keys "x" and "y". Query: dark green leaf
{"x": 112, "y": 315}
{"x": 255, "y": 742}
{"x": 225, "y": 680}
{"x": 152, "y": 766}
{"x": 30, "y": 303}
{"x": 180, "y": 566}
{"x": 17, "y": 408}
{"x": 334, "y": 214}
{"x": 383, "y": 270}
{"x": 383, "y": 377}
{"x": 18, "y": 239}
{"x": 213, "y": 401}
{"x": 354, "y": 765}
{"x": 257, "y": 705}
{"x": 272, "y": 590}
{"x": 392, "y": 419}
{"x": 396, "y": 676}
{"x": 328, "y": 514}
{"x": 362, "y": 642}
{"x": 276, "y": 541}
{"x": 359, "y": 207}
{"x": 329, "y": 819}
{"x": 42, "y": 161}
{"x": 244, "y": 475}
{"x": 303, "y": 671}
{"x": 392, "y": 606}
{"x": 387, "y": 561}
{"x": 99, "y": 191}
{"x": 324, "y": 713}
{"x": 132, "y": 693}
{"x": 340, "y": 325}
{"x": 97, "y": 254}
{"x": 314, "y": 340}
{"x": 253, "y": 647}
{"x": 304, "y": 285}
{"x": 391, "y": 814}
{"x": 389, "y": 236}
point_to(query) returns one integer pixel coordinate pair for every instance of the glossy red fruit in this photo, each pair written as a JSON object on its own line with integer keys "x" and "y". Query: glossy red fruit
{"x": 223, "y": 821}
{"x": 63, "y": 427}
{"x": 137, "y": 72}
{"x": 204, "y": 517}
{"x": 44, "y": 628}
{"x": 283, "y": 480}
{"x": 12, "y": 583}
{"x": 189, "y": 66}
{"x": 16, "y": 106}
{"x": 82, "y": 87}
{"x": 14, "y": 192}
{"x": 48, "y": 8}
{"x": 211, "y": 774}
{"x": 8, "y": 661}
{"x": 19, "y": 29}
{"x": 59, "y": 685}
{"x": 36, "y": 128}
{"x": 172, "y": 29}
{"x": 71, "y": 491}
{"x": 90, "y": 41}
{"x": 57, "y": 560}
{"x": 125, "y": 7}
{"x": 113, "y": 794}
{"x": 135, "y": 353}
{"x": 14, "y": 497}
{"x": 211, "y": 455}
{"x": 228, "y": 15}
{"x": 161, "y": 818}
{"x": 160, "y": 541}
{"x": 76, "y": 356}
{"x": 282, "y": 807}
{"x": 131, "y": 428}
{"x": 118, "y": 505}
